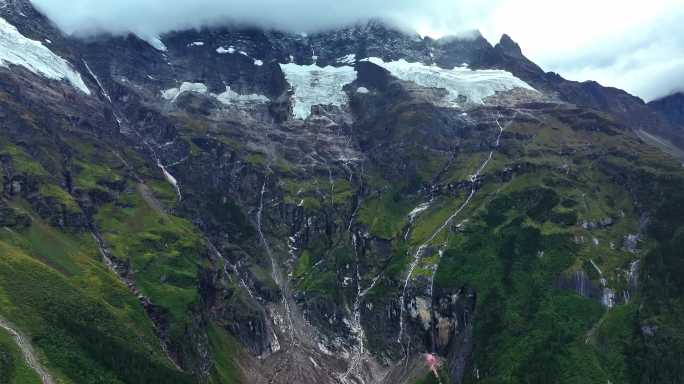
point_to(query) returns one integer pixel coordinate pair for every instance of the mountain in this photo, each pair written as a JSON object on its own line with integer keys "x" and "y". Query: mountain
{"x": 353, "y": 206}
{"x": 672, "y": 107}
{"x": 671, "y": 139}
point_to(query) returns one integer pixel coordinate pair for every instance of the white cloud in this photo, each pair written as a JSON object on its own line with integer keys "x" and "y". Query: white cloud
{"x": 632, "y": 44}
{"x": 150, "y": 17}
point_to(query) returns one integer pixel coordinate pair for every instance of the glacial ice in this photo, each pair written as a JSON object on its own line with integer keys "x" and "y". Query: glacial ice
{"x": 173, "y": 93}
{"x": 228, "y": 97}
{"x": 156, "y": 43}
{"x": 16, "y": 49}
{"x": 459, "y": 82}
{"x": 314, "y": 85}
{"x": 223, "y": 50}
{"x": 231, "y": 97}
{"x": 348, "y": 59}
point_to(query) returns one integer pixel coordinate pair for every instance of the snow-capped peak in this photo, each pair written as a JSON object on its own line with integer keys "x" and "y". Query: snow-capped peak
{"x": 461, "y": 83}
{"x": 17, "y": 49}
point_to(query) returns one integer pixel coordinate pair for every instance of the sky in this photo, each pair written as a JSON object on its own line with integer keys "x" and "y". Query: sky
{"x": 636, "y": 45}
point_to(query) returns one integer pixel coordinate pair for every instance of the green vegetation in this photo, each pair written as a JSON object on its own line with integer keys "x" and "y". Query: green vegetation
{"x": 523, "y": 325}
{"x": 85, "y": 325}
{"x": 224, "y": 350}
{"x": 163, "y": 191}
{"x": 429, "y": 378}
{"x": 532, "y": 222}
{"x": 21, "y": 162}
{"x": 658, "y": 332}
{"x": 317, "y": 269}
{"x": 84, "y": 337}
{"x": 60, "y": 196}
{"x": 13, "y": 367}
{"x": 317, "y": 193}
{"x": 385, "y": 215}
{"x": 91, "y": 175}
{"x": 58, "y": 250}
{"x": 304, "y": 265}
{"x": 163, "y": 251}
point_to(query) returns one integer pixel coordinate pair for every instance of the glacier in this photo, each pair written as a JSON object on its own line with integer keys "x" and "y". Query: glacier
{"x": 172, "y": 94}
{"x": 155, "y": 42}
{"x": 314, "y": 85}
{"x": 17, "y": 49}
{"x": 460, "y": 82}
{"x": 228, "y": 97}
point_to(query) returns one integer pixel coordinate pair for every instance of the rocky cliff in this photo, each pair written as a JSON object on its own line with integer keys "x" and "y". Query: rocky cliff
{"x": 235, "y": 205}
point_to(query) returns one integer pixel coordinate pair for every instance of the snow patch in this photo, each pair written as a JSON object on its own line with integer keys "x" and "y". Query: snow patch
{"x": 258, "y": 63}
{"x": 362, "y": 90}
{"x": 173, "y": 93}
{"x": 172, "y": 180}
{"x": 196, "y": 44}
{"x": 314, "y": 85}
{"x": 230, "y": 50}
{"x": 156, "y": 43}
{"x": 463, "y": 85}
{"x": 324, "y": 349}
{"x": 348, "y": 59}
{"x": 228, "y": 97}
{"x": 17, "y": 49}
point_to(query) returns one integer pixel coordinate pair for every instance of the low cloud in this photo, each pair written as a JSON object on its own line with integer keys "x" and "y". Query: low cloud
{"x": 629, "y": 44}
{"x": 152, "y": 17}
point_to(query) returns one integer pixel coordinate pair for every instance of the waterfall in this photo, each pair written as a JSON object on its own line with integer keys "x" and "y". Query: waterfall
{"x": 417, "y": 256}
{"x": 275, "y": 273}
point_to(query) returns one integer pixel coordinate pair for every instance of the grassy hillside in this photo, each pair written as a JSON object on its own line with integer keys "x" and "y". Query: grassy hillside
{"x": 13, "y": 367}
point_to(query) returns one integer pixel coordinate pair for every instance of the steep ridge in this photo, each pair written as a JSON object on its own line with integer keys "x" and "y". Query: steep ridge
{"x": 278, "y": 208}
{"x": 672, "y": 107}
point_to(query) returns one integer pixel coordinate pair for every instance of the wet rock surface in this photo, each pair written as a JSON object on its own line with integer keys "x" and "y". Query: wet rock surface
{"x": 292, "y": 266}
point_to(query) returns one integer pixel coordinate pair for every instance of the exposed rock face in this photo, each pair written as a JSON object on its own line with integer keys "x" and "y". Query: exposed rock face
{"x": 598, "y": 224}
{"x": 581, "y": 283}
{"x": 671, "y": 107}
{"x": 631, "y": 242}
{"x": 11, "y": 218}
{"x": 275, "y": 159}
